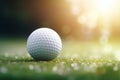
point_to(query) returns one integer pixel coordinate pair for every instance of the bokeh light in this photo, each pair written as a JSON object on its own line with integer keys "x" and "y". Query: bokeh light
{"x": 95, "y": 14}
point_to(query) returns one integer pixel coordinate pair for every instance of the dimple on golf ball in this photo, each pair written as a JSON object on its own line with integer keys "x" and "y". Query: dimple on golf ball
{"x": 44, "y": 44}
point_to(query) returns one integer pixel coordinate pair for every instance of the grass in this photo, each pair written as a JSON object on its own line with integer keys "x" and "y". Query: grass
{"x": 78, "y": 61}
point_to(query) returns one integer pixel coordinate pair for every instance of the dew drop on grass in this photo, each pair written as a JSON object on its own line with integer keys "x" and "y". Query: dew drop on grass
{"x": 60, "y": 69}
{"x": 31, "y": 67}
{"x": 16, "y": 57}
{"x": 75, "y": 66}
{"x": 83, "y": 64}
{"x": 3, "y": 70}
{"x": 90, "y": 68}
{"x": 71, "y": 59}
{"x": 115, "y": 68}
{"x": 55, "y": 69}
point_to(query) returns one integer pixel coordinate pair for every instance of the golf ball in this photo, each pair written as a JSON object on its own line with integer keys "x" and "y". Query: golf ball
{"x": 44, "y": 44}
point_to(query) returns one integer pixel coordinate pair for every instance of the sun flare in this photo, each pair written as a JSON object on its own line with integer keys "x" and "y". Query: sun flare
{"x": 95, "y": 14}
{"x": 101, "y": 8}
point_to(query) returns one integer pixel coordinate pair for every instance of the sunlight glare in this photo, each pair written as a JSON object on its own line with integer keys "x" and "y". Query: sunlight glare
{"x": 105, "y": 6}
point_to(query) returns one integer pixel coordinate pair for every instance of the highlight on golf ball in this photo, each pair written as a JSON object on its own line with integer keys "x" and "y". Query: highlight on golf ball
{"x": 44, "y": 44}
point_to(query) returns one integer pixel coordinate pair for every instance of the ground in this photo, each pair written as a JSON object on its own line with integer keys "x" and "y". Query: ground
{"x": 79, "y": 60}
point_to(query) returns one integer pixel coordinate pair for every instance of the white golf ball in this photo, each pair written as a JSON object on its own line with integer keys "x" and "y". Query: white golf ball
{"x": 44, "y": 44}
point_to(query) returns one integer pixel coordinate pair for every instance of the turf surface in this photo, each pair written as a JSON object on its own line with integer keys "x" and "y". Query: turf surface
{"x": 79, "y": 60}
